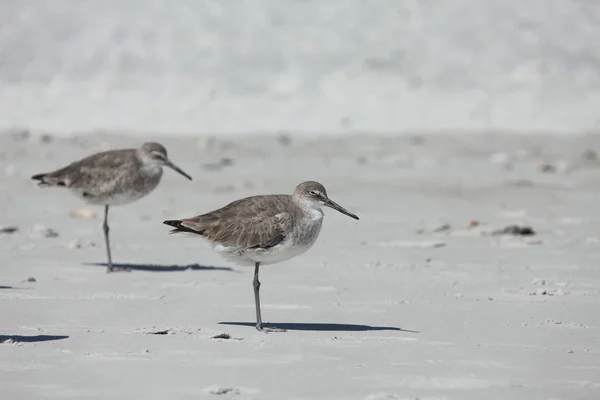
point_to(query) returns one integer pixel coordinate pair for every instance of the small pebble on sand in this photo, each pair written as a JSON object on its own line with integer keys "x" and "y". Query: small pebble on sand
{"x": 79, "y": 244}
{"x": 222, "y": 336}
{"x": 83, "y": 213}
{"x": 589, "y": 155}
{"x": 515, "y": 230}
{"x": 546, "y": 167}
{"x": 217, "y": 390}
{"x": 442, "y": 228}
{"x": 284, "y": 140}
{"x": 159, "y": 332}
{"x": 45, "y": 138}
{"x": 8, "y": 229}
{"x": 43, "y": 231}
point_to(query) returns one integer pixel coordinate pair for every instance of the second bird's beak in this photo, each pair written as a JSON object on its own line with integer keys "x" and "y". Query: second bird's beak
{"x": 177, "y": 169}
{"x": 332, "y": 204}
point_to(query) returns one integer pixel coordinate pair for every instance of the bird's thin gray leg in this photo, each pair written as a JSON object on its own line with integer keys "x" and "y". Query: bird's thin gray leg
{"x": 256, "y": 284}
{"x": 105, "y": 228}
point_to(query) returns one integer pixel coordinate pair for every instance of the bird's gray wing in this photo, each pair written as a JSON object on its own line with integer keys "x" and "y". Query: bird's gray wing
{"x": 109, "y": 167}
{"x": 253, "y": 222}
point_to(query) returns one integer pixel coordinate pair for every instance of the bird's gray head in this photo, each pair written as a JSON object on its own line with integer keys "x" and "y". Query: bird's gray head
{"x": 155, "y": 154}
{"x": 155, "y": 151}
{"x": 313, "y": 195}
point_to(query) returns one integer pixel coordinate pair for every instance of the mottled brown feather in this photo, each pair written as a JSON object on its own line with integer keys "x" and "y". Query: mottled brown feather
{"x": 252, "y": 222}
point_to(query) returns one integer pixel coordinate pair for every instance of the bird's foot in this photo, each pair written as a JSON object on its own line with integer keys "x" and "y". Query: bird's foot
{"x": 261, "y": 328}
{"x": 117, "y": 269}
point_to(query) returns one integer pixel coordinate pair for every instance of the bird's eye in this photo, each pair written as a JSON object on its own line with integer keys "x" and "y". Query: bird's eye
{"x": 313, "y": 192}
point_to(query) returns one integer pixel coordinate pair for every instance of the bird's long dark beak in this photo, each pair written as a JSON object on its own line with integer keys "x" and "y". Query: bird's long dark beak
{"x": 169, "y": 164}
{"x": 332, "y": 204}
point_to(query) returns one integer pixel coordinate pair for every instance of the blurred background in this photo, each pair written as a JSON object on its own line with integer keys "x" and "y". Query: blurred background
{"x": 309, "y": 66}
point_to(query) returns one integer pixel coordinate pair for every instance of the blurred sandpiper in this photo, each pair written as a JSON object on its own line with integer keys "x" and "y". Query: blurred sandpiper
{"x": 114, "y": 177}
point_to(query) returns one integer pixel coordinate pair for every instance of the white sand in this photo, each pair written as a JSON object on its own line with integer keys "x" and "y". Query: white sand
{"x": 376, "y": 310}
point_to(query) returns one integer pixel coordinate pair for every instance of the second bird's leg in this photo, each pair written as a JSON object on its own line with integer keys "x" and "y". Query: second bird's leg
{"x": 105, "y": 228}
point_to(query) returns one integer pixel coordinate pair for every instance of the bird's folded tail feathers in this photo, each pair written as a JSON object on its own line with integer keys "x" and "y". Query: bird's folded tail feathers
{"x": 181, "y": 227}
{"x": 49, "y": 180}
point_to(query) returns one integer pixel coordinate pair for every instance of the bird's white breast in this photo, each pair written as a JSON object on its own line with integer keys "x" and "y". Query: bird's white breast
{"x": 303, "y": 236}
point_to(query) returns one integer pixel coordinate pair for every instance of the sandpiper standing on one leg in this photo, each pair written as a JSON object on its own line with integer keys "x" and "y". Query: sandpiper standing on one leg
{"x": 264, "y": 229}
{"x": 113, "y": 177}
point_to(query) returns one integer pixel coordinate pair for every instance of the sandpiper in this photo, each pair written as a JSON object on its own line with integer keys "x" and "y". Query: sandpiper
{"x": 263, "y": 229}
{"x": 113, "y": 177}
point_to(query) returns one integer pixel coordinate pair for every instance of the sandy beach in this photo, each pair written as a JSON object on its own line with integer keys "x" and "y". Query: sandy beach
{"x": 473, "y": 272}
{"x": 428, "y": 296}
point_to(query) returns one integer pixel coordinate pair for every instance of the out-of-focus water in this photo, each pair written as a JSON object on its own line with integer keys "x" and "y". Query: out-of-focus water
{"x": 208, "y": 66}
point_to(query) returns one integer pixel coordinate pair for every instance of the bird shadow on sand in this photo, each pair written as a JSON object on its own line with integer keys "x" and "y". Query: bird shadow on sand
{"x": 4, "y": 287}
{"x": 322, "y": 327}
{"x": 31, "y": 339}
{"x": 162, "y": 267}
